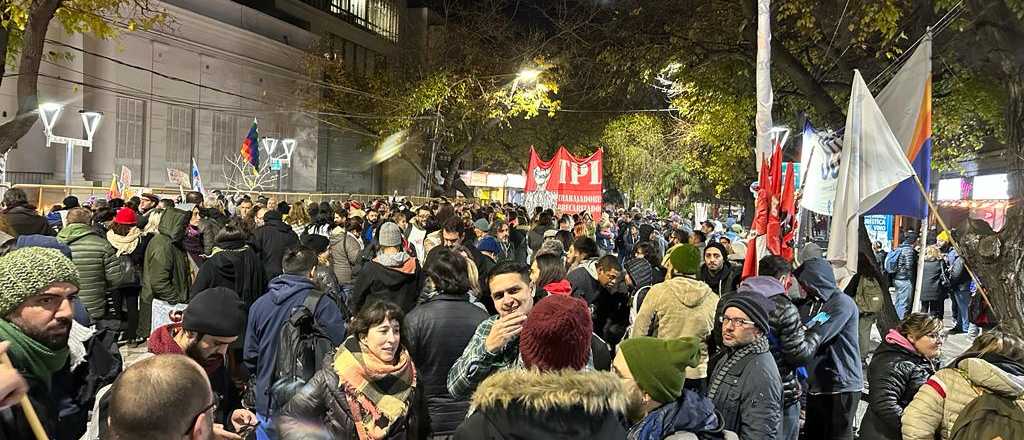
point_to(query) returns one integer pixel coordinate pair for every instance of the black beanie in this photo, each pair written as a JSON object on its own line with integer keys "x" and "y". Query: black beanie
{"x": 216, "y": 311}
{"x": 755, "y": 305}
{"x": 719, "y": 246}
{"x": 317, "y": 242}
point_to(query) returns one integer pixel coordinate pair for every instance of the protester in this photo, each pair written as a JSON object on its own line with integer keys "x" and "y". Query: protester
{"x": 904, "y": 274}
{"x": 37, "y": 287}
{"x": 869, "y": 300}
{"x": 268, "y": 314}
{"x": 680, "y": 307}
{"x": 346, "y": 246}
{"x": 367, "y": 389}
{"x": 418, "y": 230}
{"x": 22, "y": 216}
{"x": 993, "y": 366}
{"x": 165, "y": 276}
{"x": 717, "y": 272}
{"x": 901, "y": 365}
{"x": 553, "y": 397}
{"x": 98, "y": 266}
{"x": 437, "y": 331}
{"x": 299, "y": 216}
{"x": 271, "y": 241}
{"x": 392, "y": 275}
{"x": 934, "y": 282}
{"x": 744, "y": 381}
{"x": 130, "y": 248}
{"x": 548, "y": 274}
{"x": 540, "y": 227}
{"x": 960, "y": 291}
{"x": 835, "y": 377}
{"x": 233, "y": 265}
{"x": 582, "y": 252}
{"x": 160, "y": 398}
{"x": 323, "y": 273}
{"x": 647, "y": 252}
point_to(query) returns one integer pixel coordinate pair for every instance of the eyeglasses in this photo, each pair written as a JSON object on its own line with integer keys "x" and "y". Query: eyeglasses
{"x": 212, "y": 407}
{"x": 736, "y": 322}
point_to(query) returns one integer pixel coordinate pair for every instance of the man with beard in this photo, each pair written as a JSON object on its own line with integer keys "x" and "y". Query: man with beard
{"x": 418, "y": 231}
{"x": 717, "y": 272}
{"x": 212, "y": 322}
{"x": 372, "y": 223}
{"x": 653, "y": 373}
{"x": 37, "y": 287}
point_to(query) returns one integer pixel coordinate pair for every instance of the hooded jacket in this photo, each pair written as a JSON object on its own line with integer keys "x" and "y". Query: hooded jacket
{"x": 931, "y": 283}
{"x": 271, "y": 241}
{"x": 943, "y": 397}
{"x": 166, "y": 271}
{"x": 345, "y": 259}
{"x": 98, "y": 266}
{"x": 400, "y": 285}
{"x": 680, "y": 307}
{"x": 26, "y": 221}
{"x": 529, "y": 404}
{"x": 535, "y": 237}
{"x": 691, "y": 413}
{"x": 437, "y": 332}
{"x": 896, "y": 373}
{"x": 836, "y": 365}
{"x": 792, "y": 348}
{"x": 266, "y": 317}
{"x": 233, "y": 265}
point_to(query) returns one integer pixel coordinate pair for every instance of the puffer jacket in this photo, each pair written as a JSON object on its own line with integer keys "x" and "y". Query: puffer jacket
{"x": 941, "y": 399}
{"x": 522, "y": 404}
{"x": 906, "y": 263}
{"x": 165, "y": 273}
{"x": 437, "y": 333}
{"x": 895, "y": 374}
{"x": 792, "y": 347}
{"x": 97, "y": 263}
{"x": 677, "y": 308}
{"x": 931, "y": 284}
{"x": 322, "y": 404}
{"x": 209, "y": 228}
{"x": 345, "y": 259}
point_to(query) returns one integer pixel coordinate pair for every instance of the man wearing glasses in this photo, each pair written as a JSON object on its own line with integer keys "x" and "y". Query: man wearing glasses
{"x": 744, "y": 382}
{"x": 162, "y": 397}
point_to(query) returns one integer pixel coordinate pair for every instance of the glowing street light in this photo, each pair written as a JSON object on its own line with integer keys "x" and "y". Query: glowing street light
{"x": 50, "y": 112}
{"x": 528, "y": 75}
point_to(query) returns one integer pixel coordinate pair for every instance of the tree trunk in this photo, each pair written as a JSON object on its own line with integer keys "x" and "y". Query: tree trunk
{"x": 39, "y": 17}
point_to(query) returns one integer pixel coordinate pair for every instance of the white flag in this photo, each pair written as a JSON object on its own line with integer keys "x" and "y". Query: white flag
{"x": 872, "y": 162}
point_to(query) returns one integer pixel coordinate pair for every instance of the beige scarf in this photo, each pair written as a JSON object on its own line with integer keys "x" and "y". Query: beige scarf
{"x": 125, "y": 244}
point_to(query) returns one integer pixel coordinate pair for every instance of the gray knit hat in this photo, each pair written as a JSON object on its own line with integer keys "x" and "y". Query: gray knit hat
{"x": 24, "y": 272}
{"x": 390, "y": 235}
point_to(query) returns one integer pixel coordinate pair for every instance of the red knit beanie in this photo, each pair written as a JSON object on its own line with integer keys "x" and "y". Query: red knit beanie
{"x": 557, "y": 334}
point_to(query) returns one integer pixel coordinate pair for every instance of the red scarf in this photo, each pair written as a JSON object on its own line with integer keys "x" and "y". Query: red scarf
{"x": 162, "y": 342}
{"x": 559, "y": 288}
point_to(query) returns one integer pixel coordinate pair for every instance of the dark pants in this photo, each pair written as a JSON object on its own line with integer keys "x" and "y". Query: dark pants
{"x": 934, "y": 308}
{"x": 790, "y": 422}
{"x": 131, "y": 303}
{"x": 831, "y": 416}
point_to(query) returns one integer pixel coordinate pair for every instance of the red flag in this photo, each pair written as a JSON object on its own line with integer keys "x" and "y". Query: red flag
{"x": 787, "y": 214}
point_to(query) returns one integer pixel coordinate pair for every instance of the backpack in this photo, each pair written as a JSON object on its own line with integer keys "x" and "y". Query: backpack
{"x": 301, "y": 347}
{"x": 989, "y": 416}
{"x": 892, "y": 260}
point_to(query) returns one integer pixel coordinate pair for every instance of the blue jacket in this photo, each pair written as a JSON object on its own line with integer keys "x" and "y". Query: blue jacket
{"x": 266, "y": 317}
{"x": 836, "y": 365}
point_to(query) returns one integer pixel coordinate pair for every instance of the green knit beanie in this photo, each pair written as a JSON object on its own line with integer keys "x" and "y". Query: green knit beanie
{"x": 685, "y": 259}
{"x": 659, "y": 365}
{"x": 26, "y": 271}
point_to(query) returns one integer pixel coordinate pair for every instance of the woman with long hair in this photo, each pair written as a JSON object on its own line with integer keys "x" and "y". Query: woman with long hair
{"x": 298, "y": 217}
{"x": 366, "y": 389}
{"x": 549, "y": 276}
{"x": 934, "y": 283}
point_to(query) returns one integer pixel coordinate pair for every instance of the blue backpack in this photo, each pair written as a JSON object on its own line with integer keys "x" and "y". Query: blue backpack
{"x": 891, "y": 261}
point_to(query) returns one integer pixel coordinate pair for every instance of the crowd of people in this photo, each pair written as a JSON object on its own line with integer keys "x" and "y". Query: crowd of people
{"x": 454, "y": 320}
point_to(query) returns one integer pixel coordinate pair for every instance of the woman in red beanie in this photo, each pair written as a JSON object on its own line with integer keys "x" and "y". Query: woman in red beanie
{"x": 130, "y": 244}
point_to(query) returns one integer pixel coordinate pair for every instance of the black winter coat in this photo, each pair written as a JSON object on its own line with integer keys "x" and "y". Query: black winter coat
{"x": 236, "y": 267}
{"x": 932, "y": 288}
{"x": 437, "y": 333}
{"x": 376, "y": 283}
{"x": 750, "y": 396}
{"x": 322, "y": 403}
{"x": 26, "y": 221}
{"x": 894, "y": 376}
{"x": 270, "y": 243}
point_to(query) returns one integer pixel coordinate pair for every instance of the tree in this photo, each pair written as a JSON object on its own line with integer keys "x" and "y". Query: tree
{"x": 23, "y": 25}
{"x": 241, "y": 177}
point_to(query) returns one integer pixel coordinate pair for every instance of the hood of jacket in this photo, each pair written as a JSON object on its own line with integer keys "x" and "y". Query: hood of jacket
{"x": 688, "y": 291}
{"x": 172, "y": 224}
{"x": 277, "y": 225}
{"x": 691, "y": 413}
{"x": 286, "y": 286}
{"x": 583, "y": 394}
{"x": 896, "y": 341}
{"x": 989, "y": 375}
{"x": 74, "y": 232}
{"x": 590, "y": 265}
{"x": 765, "y": 286}
{"x": 817, "y": 274}
{"x": 392, "y": 277}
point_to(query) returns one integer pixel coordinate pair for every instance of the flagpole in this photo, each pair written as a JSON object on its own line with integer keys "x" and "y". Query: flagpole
{"x": 923, "y": 243}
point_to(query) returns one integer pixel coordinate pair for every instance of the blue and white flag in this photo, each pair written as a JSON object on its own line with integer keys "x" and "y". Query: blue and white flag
{"x": 197, "y": 180}
{"x": 819, "y": 158}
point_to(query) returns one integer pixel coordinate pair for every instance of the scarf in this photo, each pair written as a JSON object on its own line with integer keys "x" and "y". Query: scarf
{"x": 162, "y": 342}
{"x": 561, "y": 287}
{"x": 30, "y": 356}
{"x": 124, "y": 244}
{"x": 760, "y": 345}
{"x": 377, "y": 393}
{"x": 392, "y": 260}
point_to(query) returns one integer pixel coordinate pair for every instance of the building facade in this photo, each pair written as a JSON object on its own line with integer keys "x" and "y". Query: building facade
{"x": 192, "y": 88}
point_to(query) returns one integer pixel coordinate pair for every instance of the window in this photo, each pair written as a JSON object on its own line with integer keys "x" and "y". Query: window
{"x": 179, "y": 135}
{"x": 227, "y": 143}
{"x": 130, "y": 126}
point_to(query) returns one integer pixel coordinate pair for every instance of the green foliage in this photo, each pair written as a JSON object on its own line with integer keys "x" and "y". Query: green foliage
{"x": 965, "y": 118}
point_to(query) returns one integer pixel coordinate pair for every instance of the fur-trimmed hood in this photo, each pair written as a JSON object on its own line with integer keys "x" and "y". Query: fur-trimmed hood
{"x": 530, "y": 404}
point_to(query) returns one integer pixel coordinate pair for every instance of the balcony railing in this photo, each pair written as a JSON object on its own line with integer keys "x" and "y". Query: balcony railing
{"x": 356, "y": 12}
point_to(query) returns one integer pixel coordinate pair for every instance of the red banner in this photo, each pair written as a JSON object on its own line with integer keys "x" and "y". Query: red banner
{"x": 566, "y": 183}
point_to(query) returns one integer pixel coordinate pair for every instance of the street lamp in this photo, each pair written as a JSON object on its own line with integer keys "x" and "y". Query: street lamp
{"x": 528, "y": 75}
{"x": 50, "y": 112}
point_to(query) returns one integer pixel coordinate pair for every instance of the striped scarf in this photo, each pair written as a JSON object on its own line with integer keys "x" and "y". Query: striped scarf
{"x": 378, "y": 394}
{"x": 760, "y": 345}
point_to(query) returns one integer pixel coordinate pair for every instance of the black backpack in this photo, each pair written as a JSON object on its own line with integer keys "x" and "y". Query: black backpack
{"x": 301, "y": 347}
